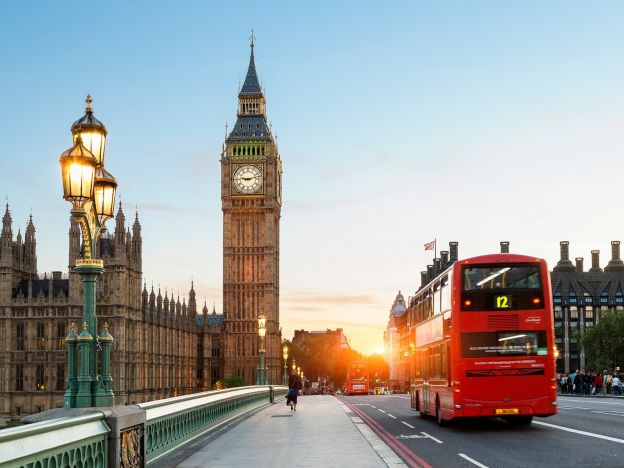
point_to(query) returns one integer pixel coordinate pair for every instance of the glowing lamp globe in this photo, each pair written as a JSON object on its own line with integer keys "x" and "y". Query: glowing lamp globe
{"x": 104, "y": 194}
{"x": 261, "y": 326}
{"x": 78, "y": 173}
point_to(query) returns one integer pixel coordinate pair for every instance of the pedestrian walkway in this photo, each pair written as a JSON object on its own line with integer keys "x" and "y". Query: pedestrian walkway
{"x": 322, "y": 432}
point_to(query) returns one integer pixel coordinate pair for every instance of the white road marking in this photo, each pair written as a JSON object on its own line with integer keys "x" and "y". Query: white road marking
{"x": 373, "y": 407}
{"x": 408, "y": 425}
{"x": 585, "y": 433}
{"x": 379, "y": 409}
{"x": 612, "y": 413}
{"x": 474, "y": 462}
{"x": 355, "y": 419}
{"x": 411, "y": 436}
{"x": 595, "y": 402}
{"x": 432, "y": 438}
{"x": 393, "y": 417}
{"x": 404, "y": 397}
{"x": 572, "y": 407}
{"x": 361, "y": 404}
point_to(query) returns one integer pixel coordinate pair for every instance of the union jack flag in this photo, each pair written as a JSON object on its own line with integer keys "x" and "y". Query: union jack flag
{"x": 430, "y": 245}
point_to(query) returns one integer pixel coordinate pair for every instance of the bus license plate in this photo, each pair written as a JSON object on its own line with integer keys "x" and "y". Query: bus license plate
{"x": 507, "y": 411}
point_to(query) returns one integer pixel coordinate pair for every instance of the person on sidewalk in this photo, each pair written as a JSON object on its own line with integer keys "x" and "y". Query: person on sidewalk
{"x": 294, "y": 385}
{"x": 616, "y": 385}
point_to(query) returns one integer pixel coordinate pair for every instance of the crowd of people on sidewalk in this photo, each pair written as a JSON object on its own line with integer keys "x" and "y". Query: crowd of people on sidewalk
{"x": 581, "y": 382}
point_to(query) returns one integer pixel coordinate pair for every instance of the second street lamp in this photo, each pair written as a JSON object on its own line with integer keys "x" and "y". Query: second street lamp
{"x": 91, "y": 191}
{"x": 261, "y": 375}
{"x": 285, "y": 355}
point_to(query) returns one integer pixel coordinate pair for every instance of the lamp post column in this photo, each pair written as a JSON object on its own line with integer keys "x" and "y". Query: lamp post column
{"x": 84, "y": 397}
{"x": 104, "y": 395}
{"x": 89, "y": 269}
{"x": 71, "y": 384}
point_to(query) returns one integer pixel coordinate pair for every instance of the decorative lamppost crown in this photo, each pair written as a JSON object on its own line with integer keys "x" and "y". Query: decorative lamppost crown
{"x": 92, "y": 131}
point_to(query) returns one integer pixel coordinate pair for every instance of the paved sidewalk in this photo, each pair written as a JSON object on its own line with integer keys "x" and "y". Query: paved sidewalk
{"x": 322, "y": 432}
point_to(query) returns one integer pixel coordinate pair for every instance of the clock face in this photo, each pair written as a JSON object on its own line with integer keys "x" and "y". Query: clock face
{"x": 248, "y": 179}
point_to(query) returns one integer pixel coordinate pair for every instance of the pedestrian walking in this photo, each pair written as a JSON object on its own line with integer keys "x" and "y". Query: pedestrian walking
{"x": 294, "y": 386}
{"x": 616, "y": 385}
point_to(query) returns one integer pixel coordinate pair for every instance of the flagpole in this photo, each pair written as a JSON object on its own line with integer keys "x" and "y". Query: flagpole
{"x": 435, "y": 249}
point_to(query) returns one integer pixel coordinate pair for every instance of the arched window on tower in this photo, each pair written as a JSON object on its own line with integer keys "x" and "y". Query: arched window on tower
{"x": 19, "y": 337}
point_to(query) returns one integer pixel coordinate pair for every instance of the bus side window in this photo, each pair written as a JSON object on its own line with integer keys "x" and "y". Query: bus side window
{"x": 445, "y": 350}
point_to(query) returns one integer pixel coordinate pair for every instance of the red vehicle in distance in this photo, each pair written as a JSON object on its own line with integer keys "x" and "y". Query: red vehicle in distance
{"x": 484, "y": 341}
{"x": 357, "y": 379}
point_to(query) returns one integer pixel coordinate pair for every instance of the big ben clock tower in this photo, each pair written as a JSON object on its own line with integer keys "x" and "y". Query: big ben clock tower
{"x": 251, "y": 172}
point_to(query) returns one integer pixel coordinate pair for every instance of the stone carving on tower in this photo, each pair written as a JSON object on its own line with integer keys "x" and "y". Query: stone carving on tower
{"x": 251, "y": 172}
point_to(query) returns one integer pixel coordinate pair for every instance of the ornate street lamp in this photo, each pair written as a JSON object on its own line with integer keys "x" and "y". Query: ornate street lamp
{"x": 285, "y": 355}
{"x": 91, "y": 191}
{"x": 261, "y": 375}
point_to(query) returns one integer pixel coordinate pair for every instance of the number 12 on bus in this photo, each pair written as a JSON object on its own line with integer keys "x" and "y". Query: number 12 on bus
{"x": 484, "y": 341}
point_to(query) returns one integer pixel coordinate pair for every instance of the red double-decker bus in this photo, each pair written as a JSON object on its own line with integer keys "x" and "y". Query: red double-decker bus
{"x": 484, "y": 341}
{"x": 357, "y": 379}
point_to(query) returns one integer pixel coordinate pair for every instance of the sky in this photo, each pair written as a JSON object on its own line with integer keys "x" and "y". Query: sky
{"x": 398, "y": 123}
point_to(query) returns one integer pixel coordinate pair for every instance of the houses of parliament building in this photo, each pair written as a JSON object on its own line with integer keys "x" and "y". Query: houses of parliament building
{"x": 163, "y": 346}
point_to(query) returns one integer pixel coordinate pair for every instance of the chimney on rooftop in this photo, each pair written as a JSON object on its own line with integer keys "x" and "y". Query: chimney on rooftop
{"x": 579, "y": 264}
{"x": 504, "y": 247}
{"x": 444, "y": 257}
{"x": 595, "y": 268}
{"x": 453, "y": 251}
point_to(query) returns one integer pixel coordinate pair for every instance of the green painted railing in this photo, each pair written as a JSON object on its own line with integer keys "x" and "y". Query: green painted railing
{"x": 80, "y": 441}
{"x": 175, "y": 421}
{"x": 83, "y": 441}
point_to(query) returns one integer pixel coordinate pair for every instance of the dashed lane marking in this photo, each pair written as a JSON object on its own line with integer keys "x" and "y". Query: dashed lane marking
{"x": 408, "y": 425}
{"x": 393, "y": 417}
{"x": 373, "y": 406}
{"x": 379, "y": 409}
{"x": 576, "y": 431}
{"x": 471, "y": 460}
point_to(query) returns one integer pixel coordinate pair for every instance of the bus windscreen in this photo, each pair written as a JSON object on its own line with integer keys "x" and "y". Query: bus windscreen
{"x": 496, "y": 277}
{"x": 501, "y": 288}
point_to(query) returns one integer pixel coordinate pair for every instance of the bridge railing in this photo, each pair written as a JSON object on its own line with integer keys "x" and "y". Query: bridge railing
{"x": 142, "y": 433}
{"x": 72, "y": 441}
{"x": 175, "y": 421}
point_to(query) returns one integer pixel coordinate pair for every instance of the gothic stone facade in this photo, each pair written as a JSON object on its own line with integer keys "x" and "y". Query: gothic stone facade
{"x": 162, "y": 347}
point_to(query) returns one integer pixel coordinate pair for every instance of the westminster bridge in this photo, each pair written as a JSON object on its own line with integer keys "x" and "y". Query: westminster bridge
{"x": 251, "y": 426}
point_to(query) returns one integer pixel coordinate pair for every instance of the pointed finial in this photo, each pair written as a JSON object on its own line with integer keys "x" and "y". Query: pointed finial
{"x": 105, "y": 326}
{"x": 252, "y": 38}
{"x": 89, "y": 101}
{"x": 226, "y": 130}
{"x": 72, "y": 327}
{"x": 84, "y": 325}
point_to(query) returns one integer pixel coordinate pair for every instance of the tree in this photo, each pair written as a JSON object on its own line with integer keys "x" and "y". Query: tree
{"x": 603, "y": 343}
{"x": 233, "y": 381}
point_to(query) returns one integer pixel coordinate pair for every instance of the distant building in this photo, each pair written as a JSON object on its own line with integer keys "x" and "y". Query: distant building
{"x": 396, "y": 341}
{"x": 337, "y": 337}
{"x": 580, "y": 298}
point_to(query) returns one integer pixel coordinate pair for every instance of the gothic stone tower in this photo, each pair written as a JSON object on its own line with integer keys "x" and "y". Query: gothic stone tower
{"x": 251, "y": 172}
